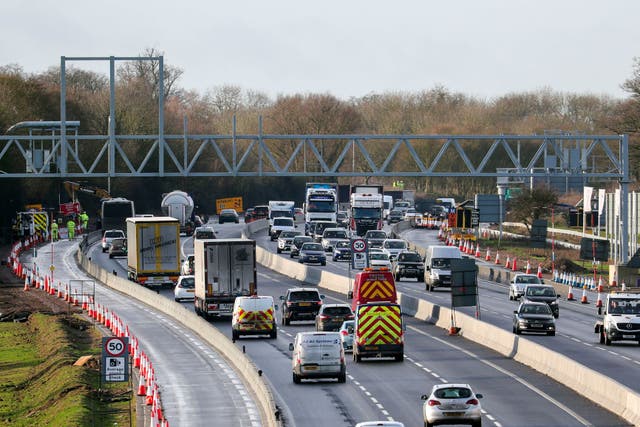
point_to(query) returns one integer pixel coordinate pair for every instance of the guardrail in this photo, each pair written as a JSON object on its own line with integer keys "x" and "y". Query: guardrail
{"x": 234, "y": 356}
{"x": 591, "y": 384}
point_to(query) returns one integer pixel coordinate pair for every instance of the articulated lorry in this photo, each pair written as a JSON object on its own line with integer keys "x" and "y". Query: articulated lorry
{"x": 320, "y": 202}
{"x": 224, "y": 269}
{"x": 153, "y": 250}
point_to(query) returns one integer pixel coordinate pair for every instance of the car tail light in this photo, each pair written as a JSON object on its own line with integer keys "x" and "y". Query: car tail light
{"x": 344, "y": 332}
{"x": 349, "y": 316}
{"x": 323, "y": 317}
{"x": 104, "y": 240}
{"x": 319, "y": 302}
{"x": 289, "y": 303}
{"x": 353, "y": 223}
{"x": 472, "y": 402}
{"x": 432, "y": 402}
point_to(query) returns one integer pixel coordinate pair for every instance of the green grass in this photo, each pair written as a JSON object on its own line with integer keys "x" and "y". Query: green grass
{"x": 39, "y": 386}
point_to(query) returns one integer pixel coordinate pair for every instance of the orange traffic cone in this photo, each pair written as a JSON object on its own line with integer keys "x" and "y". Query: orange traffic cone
{"x": 570, "y": 294}
{"x": 584, "y": 300}
{"x": 515, "y": 268}
{"x": 488, "y": 256}
{"x": 26, "y": 285}
{"x": 528, "y": 268}
{"x": 600, "y": 285}
{"x": 508, "y": 263}
{"x": 142, "y": 389}
{"x": 497, "y": 258}
{"x": 539, "y": 271}
{"x": 478, "y": 255}
{"x": 599, "y": 300}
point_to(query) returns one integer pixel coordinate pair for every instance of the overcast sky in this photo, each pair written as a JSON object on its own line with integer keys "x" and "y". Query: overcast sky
{"x": 349, "y": 48}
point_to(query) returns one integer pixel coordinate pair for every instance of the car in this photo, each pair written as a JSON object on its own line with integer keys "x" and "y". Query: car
{"x": 300, "y": 304}
{"x": 254, "y": 315}
{"x": 185, "y": 288}
{"x": 375, "y": 238}
{"x": 319, "y": 227}
{"x": 519, "y": 282}
{"x": 330, "y": 236}
{"x": 331, "y": 316}
{"x": 379, "y": 260}
{"x": 452, "y": 404}
{"x": 411, "y": 214}
{"x": 318, "y": 355}
{"x": 108, "y": 236}
{"x": 297, "y": 243}
{"x": 543, "y": 293}
{"x": 187, "y": 267}
{"x": 204, "y": 232}
{"x": 248, "y": 216}
{"x": 408, "y": 264}
{"x": 280, "y": 224}
{"x": 285, "y": 240}
{"x": 342, "y": 250}
{"x": 346, "y": 333}
{"x": 395, "y": 215}
{"x": 260, "y": 212}
{"x": 342, "y": 218}
{"x": 312, "y": 253}
{"x": 228, "y": 215}
{"x": 118, "y": 247}
{"x": 534, "y": 317}
{"x": 393, "y": 247}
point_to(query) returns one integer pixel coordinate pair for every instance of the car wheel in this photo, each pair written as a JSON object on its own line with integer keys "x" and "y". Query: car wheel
{"x": 428, "y": 424}
{"x": 510, "y": 296}
{"x": 556, "y": 315}
{"x": 290, "y": 255}
{"x": 342, "y": 378}
{"x": 607, "y": 340}
{"x": 323, "y": 263}
{"x": 279, "y": 250}
{"x": 601, "y": 337}
{"x": 110, "y": 256}
{"x": 177, "y": 299}
{"x": 286, "y": 321}
{"x": 553, "y": 333}
{"x": 477, "y": 424}
{"x": 333, "y": 259}
{"x": 234, "y": 334}
{"x": 399, "y": 358}
{"x": 274, "y": 333}
{"x": 296, "y": 378}
{"x": 104, "y": 250}
{"x": 357, "y": 358}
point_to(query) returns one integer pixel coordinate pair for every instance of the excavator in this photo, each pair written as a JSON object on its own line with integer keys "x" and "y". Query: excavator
{"x": 73, "y": 187}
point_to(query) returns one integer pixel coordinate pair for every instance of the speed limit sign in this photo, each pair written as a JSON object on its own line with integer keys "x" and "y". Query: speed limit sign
{"x": 114, "y": 346}
{"x": 359, "y": 245}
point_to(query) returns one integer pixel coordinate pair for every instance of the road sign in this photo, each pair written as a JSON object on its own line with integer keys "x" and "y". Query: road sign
{"x": 114, "y": 346}
{"x": 115, "y": 359}
{"x": 359, "y": 245}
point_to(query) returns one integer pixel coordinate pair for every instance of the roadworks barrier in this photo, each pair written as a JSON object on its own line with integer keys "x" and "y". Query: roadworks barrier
{"x": 591, "y": 384}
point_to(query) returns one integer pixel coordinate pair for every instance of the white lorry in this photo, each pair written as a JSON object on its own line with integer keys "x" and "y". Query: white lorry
{"x": 179, "y": 205}
{"x": 621, "y": 318}
{"x": 320, "y": 202}
{"x": 280, "y": 209}
{"x": 153, "y": 250}
{"x": 366, "y": 212}
{"x": 224, "y": 269}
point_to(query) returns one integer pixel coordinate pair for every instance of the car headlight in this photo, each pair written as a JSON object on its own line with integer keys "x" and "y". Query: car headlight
{"x": 554, "y": 303}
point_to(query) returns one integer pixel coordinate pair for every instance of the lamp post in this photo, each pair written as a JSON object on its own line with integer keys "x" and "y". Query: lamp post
{"x": 501, "y": 191}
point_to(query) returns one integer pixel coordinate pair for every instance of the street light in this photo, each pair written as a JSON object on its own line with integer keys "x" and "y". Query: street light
{"x": 501, "y": 191}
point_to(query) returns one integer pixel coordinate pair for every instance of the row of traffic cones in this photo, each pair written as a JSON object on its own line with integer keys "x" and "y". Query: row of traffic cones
{"x": 147, "y": 385}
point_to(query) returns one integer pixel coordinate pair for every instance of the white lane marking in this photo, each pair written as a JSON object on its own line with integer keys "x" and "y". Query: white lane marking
{"x": 509, "y": 374}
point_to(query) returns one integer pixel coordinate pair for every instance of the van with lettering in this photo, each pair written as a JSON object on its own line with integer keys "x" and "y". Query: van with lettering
{"x": 373, "y": 285}
{"x": 318, "y": 355}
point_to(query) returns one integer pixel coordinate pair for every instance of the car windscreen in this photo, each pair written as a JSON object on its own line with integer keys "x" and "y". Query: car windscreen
{"x": 343, "y": 245}
{"x": 112, "y": 234}
{"x": 394, "y": 244}
{"x": 441, "y": 262}
{"x": 312, "y": 247}
{"x": 286, "y": 222}
{"x": 379, "y": 256}
{"x": 409, "y": 257}
{"x": 536, "y": 291}
{"x": 376, "y": 235}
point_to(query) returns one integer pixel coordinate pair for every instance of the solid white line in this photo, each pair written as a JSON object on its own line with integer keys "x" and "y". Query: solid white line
{"x": 509, "y": 374}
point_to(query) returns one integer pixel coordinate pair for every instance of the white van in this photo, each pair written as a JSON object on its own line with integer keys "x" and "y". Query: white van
{"x": 254, "y": 315}
{"x": 318, "y": 355}
{"x": 437, "y": 265}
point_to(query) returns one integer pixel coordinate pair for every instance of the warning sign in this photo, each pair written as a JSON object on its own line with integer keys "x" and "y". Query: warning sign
{"x": 229, "y": 203}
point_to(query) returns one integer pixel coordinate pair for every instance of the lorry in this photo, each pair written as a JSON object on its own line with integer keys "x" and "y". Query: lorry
{"x": 320, "y": 202}
{"x": 378, "y": 331}
{"x": 224, "y": 269}
{"x": 179, "y": 205}
{"x": 153, "y": 250}
{"x": 366, "y": 212}
{"x": 369, "y": 189}
{"x": 621, "y": 318}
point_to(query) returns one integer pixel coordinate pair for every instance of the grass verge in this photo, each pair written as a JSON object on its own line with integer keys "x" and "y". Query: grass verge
{"x": 39, "y": 385}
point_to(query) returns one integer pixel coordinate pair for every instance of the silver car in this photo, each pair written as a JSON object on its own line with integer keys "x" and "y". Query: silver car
{"x": 346, "y": 333}
{"x": 452, "y": 404}
{"x": 520, "y": 282}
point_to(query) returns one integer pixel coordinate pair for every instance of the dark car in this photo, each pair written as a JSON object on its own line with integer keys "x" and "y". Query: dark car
{"x": 342, "y": 251}
{"x": 297, "y": 243}
{"x": 408, "y": 264}
{"x": 260, "y": 212}
{"x": 331, "y": 316}
{"x": 375, "y": 238}
{"x": 395, "y": 216}
{"x": 543, "y": 293}
{"x": 228, "y": 215}
{"x": 312, "y": 253}
{"x": 248, "y": 216}
{"x": 534, "y": 317}
{"x": 300, "y": 304}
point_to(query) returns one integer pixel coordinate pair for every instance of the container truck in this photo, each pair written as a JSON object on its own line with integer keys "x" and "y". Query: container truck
{"x": 179, "y": 205}
{"x": 224, "y": 269}
{"x": 153, "y": 250}
{"x": 366, "y": 212}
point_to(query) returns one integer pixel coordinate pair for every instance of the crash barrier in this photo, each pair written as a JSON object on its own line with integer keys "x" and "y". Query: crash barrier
{"x": 593, "y": 385}
{"x": 223, "y": 345}
{"x": 147, "y": 386}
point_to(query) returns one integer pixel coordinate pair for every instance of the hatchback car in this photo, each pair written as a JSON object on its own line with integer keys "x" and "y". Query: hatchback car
{"x": 452, "y": 404}
{"x": 108, "y": 237}
{"x": 185, "y": 288}
{"x": 204, "y": 233}
{"x": 520, "y": 282}
{"x": 298, "y": 241}
{"x": 118, "y": 247}
{"x": 543, "y": 293}
{"x": 534, "y": 317}
{"x": 379, "y": 260}
{"x": 300, "y": 304}
{"x": 228, "y": 215}
{"x": 375, "y": 238}
{"x": 312, "y": 253}
{"x": 285, "y": 240}
{"x": 188, "y": 265}
{"x": 332, "y": 235}
{"x": 331, "y": 316}
{"x": 342, "y": 218}
{"x": 346, "y": 333}
{"x": 342, "y": 250}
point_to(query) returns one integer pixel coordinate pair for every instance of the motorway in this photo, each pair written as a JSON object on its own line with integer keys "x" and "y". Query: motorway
{"x": 514, "y": 395}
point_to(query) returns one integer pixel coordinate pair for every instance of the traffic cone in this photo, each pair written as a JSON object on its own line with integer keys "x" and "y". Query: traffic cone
{"x": 26, "y": 285}
{"x": 599, "y": 300}
{"x": 488, "y": 255}
{"x": 150, "y": 391}
{"x": 75, "y": 298}
{"x": 570, "y": 294}
{"x": 539, "y": 271}
{"x": 515, "y": 268}
{"x": 623, "y": 287}
{"x": 508, "y": 263}
{"x": 85, "y": 304}
{"x": 478, "y": 250}
{"x": 497, "y": 258}
{"x": 142, "y": 389}
{"x": 528, "y": 268}
{"x": 584, "y": 300}
{"x": 614, "y": 282}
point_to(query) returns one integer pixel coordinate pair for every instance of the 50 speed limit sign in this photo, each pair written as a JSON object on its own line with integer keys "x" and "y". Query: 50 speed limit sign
{"x": 115, "y": 346}
{"x": 359, "y": 245}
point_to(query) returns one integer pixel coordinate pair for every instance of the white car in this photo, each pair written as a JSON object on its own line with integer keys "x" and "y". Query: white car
{"x": 411, "y": 214}
{"x": 330, "y": 236}
{"x": 519, "y": 283}
{"x": 108, "y": 237}
{"x": 452, "y": 403}
{"x": 379, "y": 260}
{"x": 393, "y": 247}
{"x": 185, "y": 288}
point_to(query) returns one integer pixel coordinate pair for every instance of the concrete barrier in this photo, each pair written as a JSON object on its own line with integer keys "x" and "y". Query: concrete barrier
{"x": 596, "y": 387}
{"x": 234, "y": 356}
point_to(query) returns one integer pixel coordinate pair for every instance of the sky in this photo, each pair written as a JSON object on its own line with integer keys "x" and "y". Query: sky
{"x": 348, "y": 48}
